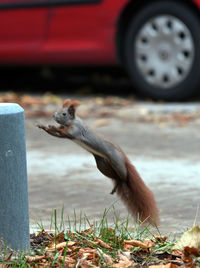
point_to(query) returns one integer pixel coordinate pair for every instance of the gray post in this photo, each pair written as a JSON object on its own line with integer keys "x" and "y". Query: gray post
{"x": 14, "y": 216}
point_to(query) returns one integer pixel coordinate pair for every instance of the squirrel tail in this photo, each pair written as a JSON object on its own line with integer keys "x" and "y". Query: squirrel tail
{"x": 137, "y": 197}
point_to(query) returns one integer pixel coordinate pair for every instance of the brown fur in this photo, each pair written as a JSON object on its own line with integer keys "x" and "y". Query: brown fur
{"x": 68, "y": 102}
{"x": 137, "y": 196}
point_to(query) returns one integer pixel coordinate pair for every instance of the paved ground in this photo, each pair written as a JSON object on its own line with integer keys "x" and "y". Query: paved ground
{"x": 165, "y": 152}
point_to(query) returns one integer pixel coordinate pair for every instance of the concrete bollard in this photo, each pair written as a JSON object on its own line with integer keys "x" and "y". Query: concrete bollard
{"x": 14, "y": 215}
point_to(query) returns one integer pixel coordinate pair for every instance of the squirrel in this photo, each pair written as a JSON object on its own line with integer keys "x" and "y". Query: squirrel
{"x": 110, "y": 160}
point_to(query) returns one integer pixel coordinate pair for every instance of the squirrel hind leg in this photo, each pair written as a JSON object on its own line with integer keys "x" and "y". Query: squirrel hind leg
{"x": 104, "y": 166}
{"x": 114, "y": 190}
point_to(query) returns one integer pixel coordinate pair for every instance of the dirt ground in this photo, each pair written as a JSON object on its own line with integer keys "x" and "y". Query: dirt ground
{"x": 161, "y": 140}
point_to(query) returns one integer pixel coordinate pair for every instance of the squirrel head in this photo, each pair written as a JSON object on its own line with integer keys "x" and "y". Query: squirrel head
{"x": 66, "y": 115}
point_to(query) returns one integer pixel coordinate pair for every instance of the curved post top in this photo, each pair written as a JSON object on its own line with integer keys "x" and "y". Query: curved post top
{"x": 10, "y": 108}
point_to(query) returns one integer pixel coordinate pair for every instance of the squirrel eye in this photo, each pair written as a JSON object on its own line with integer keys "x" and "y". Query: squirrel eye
{"x": 64, "y": 114}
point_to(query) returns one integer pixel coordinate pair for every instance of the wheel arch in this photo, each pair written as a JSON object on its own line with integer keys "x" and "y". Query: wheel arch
{"x": 128, "y": 12}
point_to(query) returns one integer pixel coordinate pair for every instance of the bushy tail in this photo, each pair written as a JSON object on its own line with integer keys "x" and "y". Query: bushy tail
{"x": 137, "y": 196}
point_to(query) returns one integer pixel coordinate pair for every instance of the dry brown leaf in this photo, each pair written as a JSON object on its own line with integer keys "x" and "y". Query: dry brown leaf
{"x": 122, "y": 257}
{"x": 27, "y": 100}
{"x": 177, "y": 252}
{"x": 91, "y": 254}
{"x": 37, "y": 113}
{"x": 169, "y": 265}
{"x": 128, "y": 247}
{"x": 102, "y": 244}
{"x": 9, "y": 257}
{"x": 87, "y": 250}
{"x": 62, "y": 245}
{"x": 60, "y": 242}
{"x": 127, "y": 254}
{"x": 101, "y": 123}
{"x": 160, "y": 238}
{"x": 193, "y": 251}
{"x": 69, "y": 262}
{"x": 46, "y": 234}
{"x": 35, "y": 258}
{"x": 84, "y": 264}
{"x": 106, "y": 257}
{"x": 190, "y": 238}
{"x": 88, "y": 231}
{"x": 60, "y": 237}
{"x": 187, "y": 259}
{"x": 81, "y": 261}
{"x": 137, "y": 243}
{"x": 10, "y": 97}
{"x": 111, "y": 101}
{"x": 123, "y": 264}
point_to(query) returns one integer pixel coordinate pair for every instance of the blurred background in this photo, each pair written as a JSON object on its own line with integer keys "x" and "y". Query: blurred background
{"x": 134, "y": 65}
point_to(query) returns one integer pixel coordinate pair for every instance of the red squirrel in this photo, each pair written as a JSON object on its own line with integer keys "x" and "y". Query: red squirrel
{"x": 110, "y": 160}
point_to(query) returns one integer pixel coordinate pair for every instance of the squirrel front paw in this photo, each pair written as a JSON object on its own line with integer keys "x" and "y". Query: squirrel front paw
{"x": 52, "y": 127}
{"x": 41, "y": 126}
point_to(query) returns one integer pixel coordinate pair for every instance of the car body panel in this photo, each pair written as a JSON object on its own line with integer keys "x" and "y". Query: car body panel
{"x": 68, "y": 33}
{"x": 60, "y": 31}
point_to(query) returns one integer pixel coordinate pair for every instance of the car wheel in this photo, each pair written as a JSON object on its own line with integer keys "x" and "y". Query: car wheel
{"x": 162, "y": 50}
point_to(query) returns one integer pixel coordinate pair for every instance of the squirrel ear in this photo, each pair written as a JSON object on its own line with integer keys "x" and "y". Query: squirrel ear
{"x": 71, "y": 109}
{"x": 66, "y": 103}
{"x": 75, "y": 103}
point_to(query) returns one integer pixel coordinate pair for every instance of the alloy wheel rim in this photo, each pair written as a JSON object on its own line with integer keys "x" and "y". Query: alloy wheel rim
{"x": 164, "y": 51}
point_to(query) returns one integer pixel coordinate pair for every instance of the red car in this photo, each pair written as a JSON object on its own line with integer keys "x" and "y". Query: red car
{"x": 158, "y": 41}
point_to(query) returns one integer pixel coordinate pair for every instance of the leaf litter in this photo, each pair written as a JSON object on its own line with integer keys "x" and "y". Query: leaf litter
{"x": 102, "y": 108}
{"x": 85, "y": 249}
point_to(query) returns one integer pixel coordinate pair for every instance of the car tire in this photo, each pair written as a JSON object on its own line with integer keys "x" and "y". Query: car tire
{"x": 162, "y": 50}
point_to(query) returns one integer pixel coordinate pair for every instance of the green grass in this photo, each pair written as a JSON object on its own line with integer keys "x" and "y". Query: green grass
{"x": 112, "y": 232}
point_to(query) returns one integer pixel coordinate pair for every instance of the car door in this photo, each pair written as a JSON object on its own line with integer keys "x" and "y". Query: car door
{"x": 74, "y": 30}
{"x": 83, "y": 31}
{"x": 22, "y": 31}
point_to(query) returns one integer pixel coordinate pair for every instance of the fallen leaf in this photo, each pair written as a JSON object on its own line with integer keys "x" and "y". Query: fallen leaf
{"x": 123, "y": 264}
{"x": 169, "y": 265}
{"x": 62, "y": 245}
{"x": 122, "y": 257}
{"x": 60, "y": 237}
{"x": 187, "y": 259}
{"x": 160, "y": 238}
{"x": 35, "y": 258}
{"x": 137, "y": 243}
{"x": 192, "y": 251}
{"x": 82, "y": 262}
{"x": 88, "y": 231}
{"x": 69, "y": 262}
{"x": 9, "y": 257}
{"x": 106, "y": 257}
{"x": 102, "y": 244}
{"x": 101, "y": 123}
{"x": 27, "y": 100}
{"x": 190, "y": 238}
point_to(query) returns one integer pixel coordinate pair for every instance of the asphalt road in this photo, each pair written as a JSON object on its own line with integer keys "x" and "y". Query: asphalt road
{"x": 165, "y": 152}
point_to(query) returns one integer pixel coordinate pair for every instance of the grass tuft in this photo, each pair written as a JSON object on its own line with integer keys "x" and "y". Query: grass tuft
{"x": 79, "y": 242}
